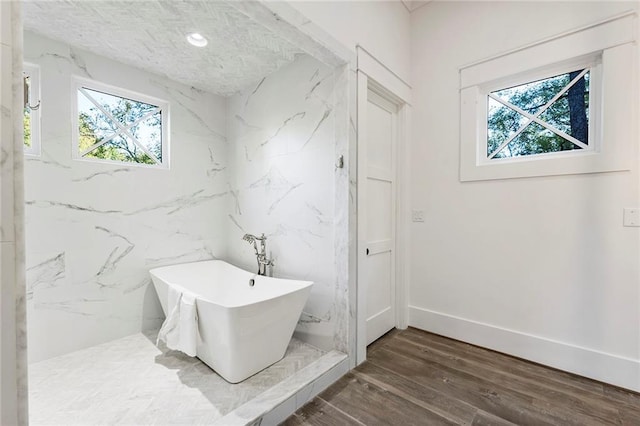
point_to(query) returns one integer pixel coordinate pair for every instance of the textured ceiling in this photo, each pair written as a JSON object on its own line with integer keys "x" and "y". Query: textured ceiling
{"x": 151, "y": 35}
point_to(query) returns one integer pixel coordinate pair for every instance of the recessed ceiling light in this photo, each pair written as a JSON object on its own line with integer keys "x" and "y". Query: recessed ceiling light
{"x": 197, "y": 40}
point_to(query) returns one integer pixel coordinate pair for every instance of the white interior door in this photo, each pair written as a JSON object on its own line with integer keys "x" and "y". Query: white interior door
{"x": 377, "y": 209}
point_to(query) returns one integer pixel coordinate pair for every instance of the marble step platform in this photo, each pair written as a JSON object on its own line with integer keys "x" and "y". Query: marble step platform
{"x": 130, "y": 381}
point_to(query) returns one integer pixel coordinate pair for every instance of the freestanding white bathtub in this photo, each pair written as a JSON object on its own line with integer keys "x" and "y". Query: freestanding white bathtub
{"x": 244, "y": 328}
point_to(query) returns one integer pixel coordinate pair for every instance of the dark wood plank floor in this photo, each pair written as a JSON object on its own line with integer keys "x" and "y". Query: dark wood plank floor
{"x": 416, "y": 378}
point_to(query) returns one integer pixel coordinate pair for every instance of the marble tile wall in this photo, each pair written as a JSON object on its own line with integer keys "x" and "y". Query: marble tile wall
{"x": 13, "y": 365}
{"x": 262, "y": 161}
{"x": 8, "y": 388}
{"x": 345, "y": 211}
{"x": 94, "y": 229}
{"x": 283, "y": 155}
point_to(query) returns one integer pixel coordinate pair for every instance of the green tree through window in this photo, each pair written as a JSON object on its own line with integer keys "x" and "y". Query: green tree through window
{"x": 26, "y": 124}
{"x": 548, "y": 115}
{"x": 119, "y": 129}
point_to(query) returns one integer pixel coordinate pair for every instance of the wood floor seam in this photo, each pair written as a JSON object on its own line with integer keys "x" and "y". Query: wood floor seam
{"x": 341, "y": 411}
{"x": 413, "y": 400}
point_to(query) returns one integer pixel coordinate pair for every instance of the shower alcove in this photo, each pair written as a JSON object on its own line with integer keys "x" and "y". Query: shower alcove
{"x": 258, "y": 119}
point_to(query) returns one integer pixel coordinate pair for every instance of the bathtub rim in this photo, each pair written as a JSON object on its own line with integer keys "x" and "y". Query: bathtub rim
{"x": 304, "y": 285}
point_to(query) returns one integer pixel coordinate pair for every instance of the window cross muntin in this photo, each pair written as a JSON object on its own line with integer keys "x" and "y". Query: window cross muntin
{"x": 535, "y": 117}
{"x": 121, "y": 128}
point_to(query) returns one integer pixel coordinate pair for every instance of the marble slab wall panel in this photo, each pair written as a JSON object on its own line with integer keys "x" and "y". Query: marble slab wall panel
{"x": 345, "y": 209}
{"x": 19, "y": 284}
{"x": 8, "y": 348}
{"x": 94, "y": 229}
{"x": 13, "y": 357}
{"x": 283, "y": 153}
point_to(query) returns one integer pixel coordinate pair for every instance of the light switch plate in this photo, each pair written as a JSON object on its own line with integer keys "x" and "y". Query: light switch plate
{"x": 417, "y": 215}
{"x": 631, "y": 216}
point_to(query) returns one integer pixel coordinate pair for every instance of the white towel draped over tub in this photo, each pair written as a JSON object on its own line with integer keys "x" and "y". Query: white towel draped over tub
{"x": 180, "y": 330}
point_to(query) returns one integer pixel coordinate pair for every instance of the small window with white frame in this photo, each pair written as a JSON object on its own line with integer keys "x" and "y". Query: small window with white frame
{"x": 31, "y": 110}
{"x": 549, "y": 115}
{"x": 559, "y": 106}
{"x": 117, "y": 125}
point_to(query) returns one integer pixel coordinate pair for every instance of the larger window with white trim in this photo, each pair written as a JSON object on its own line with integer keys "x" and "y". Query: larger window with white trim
{"x": 565, "y": 105}
{"x": 116, "y": 125}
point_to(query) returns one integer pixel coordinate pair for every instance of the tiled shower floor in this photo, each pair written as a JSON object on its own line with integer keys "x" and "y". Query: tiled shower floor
{"x": 131, "y": 381}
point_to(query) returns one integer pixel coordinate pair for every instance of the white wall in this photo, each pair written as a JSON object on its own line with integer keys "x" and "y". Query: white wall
{"x": 538, "y": 267}
{"x": 282, "y": 143}
{"x": 381, "y": 27}
{"x": 94, "y": 230}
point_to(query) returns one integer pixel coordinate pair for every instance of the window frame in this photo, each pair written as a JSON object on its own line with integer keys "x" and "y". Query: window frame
{"x": 33, "y": 72}
{"x": 593, "y": 63}
{"x": 81, "y": 82}
{"x": 610, "y": 44}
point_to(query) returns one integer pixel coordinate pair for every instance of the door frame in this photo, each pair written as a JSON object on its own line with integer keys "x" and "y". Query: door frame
{"x": 375, "y": 76}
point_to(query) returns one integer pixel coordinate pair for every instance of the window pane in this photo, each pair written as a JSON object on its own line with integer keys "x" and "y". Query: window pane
{"x": 535, "y": 139}
{"x": 26, "y": 123}
{"x": 502, "y": 123}
{"x": 26, "y": 116}
{"x": 128, "y": 127}
{"x": 91, "y": 118}
{"x": 120, "y": 149}
{"x": 125, "y": 111}
{"x": 569, "y": 114}
{"x": 532, "y": 96}
{"x": 86, "y": 132}
{"x": 149, "y": 133}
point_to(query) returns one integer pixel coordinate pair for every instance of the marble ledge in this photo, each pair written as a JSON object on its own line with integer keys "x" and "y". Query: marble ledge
{"x": 279, "y": 402}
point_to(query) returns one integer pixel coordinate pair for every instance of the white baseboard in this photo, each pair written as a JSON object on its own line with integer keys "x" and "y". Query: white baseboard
{"x": 602, "y": 366}
{"x": 378, "y": 324}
